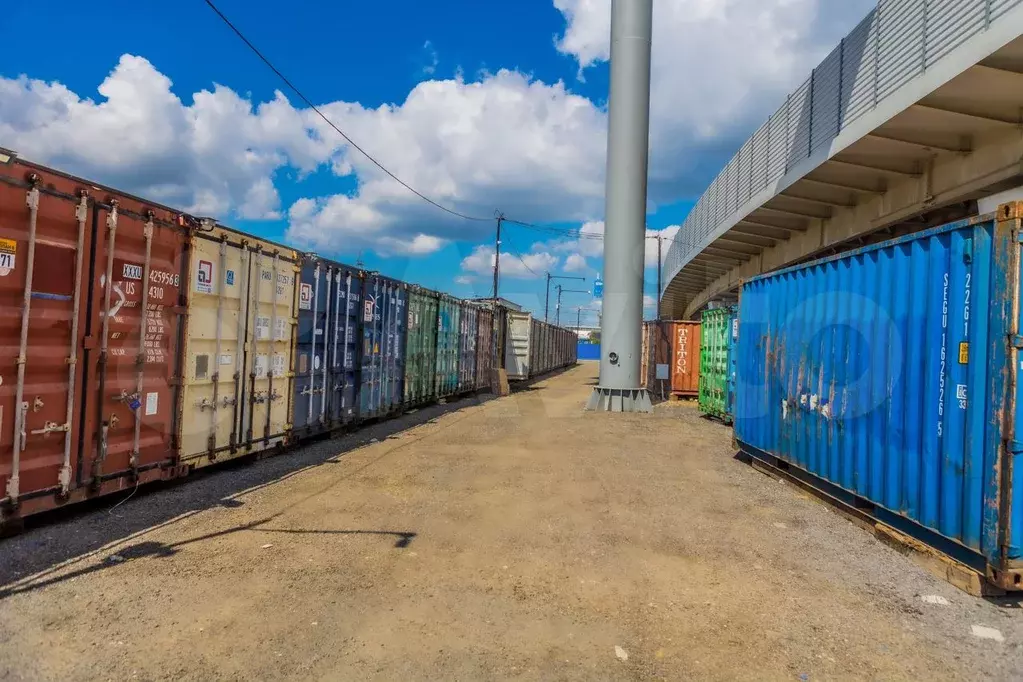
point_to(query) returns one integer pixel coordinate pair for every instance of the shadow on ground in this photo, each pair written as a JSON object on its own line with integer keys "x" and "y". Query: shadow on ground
{"x": 53, "y": 538}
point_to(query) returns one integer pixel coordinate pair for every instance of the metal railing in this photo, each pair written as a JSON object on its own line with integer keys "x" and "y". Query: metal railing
{"x": 895, "y": 43}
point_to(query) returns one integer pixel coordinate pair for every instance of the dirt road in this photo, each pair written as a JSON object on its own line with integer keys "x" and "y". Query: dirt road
{"x": 516, "y": 539}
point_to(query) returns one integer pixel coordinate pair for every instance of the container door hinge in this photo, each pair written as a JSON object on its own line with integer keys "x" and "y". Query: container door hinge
{"x": 1015, "y": 447}
{"x": 1016, "y": 340}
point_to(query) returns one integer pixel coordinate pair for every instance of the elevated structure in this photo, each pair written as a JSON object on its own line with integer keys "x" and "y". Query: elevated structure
{"x": 915, "y": 116}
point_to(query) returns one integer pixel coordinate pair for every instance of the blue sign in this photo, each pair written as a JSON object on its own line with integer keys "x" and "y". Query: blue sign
{"x": 230, "y": 278}
{"x": 598, "y": 288}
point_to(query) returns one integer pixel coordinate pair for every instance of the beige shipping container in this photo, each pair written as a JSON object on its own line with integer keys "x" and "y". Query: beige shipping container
{"x": 238, "y": 353}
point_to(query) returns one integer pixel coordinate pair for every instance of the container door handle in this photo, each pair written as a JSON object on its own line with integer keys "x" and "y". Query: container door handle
{"x": 24, "y": 417}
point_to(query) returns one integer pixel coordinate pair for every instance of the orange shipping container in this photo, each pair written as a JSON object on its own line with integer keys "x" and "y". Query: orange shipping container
{"x": 93, "y": 309}
{"x": 685, "y": 366}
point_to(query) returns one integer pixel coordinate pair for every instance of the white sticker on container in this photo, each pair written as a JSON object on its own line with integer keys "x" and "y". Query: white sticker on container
{"x": 226, "y": 359}
{"x": 305, "y": 296}
{"x": 316, "y": 362}
{"x": 278, "y": 365}
{"x": 204, "y": 277}
{"x": 262, "y": 328}
{"x": 735, "y": 328}
{"x": 260, "y": 367}
{"x": 152, "y": 402}
{"x": 281, "y": 333}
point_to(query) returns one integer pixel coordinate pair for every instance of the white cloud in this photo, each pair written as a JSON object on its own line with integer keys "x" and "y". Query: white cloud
{"x": 719, "y": 67}
{"x": 591, "y": 244}
{"x": 502, "y": 140}
{"x": 464, "y": 279}
{"x": 431, "y": 68}
{"x": 575, "y": 263}
{"x": 520, "y": 266}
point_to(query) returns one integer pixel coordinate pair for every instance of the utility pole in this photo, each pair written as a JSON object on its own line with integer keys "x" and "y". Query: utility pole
{"x": 547, "y": 302}
{"x": 578, "y": 319}
{"x": 497, "y": 256}
{"x": 628, "y": 140}
{"x": 657, "y": 296}
{"x": 562, "y": 290}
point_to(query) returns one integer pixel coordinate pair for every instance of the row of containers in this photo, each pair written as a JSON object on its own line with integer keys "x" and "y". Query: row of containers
{"x": 685, "y": 359}
{"x": 142, "y": 343}
{"x": 890, "y": 378}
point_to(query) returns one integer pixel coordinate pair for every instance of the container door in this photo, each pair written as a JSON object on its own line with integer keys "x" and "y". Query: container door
{"x": 371, "y": 370}
{"x": 343, "y": 404}
{"x": 394, "y": 323}
{"x": 217, "y": 288}
{"x": 733, "y": 343}
{"x": 271, "y": 302}
{"x": 48, "y": 235}
{"x": 136, "y": 318}
{"x": 315, "y": 298}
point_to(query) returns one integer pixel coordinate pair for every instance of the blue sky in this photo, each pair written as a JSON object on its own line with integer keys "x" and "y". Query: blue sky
{"x": 482, "y": 106}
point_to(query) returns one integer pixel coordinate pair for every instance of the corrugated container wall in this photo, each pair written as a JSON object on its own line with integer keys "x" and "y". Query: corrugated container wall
{"x": 485, "y": 348}
{"x": 717, "y": 362}
{"x": 685, "y": 366}
{"x": 891, "y": 376}
{"x": 238, "y": 372}
{"x": 657, "y": 338}
{"x": 517, "y": 351}
{"x": 382, "y": 356}
{"x": 448, "y": 330}
{"x": 467, "y": 337}
{"x": 421, "y": 354}
{"x": 90, "y": 284}
{"x": 326, "y": 346}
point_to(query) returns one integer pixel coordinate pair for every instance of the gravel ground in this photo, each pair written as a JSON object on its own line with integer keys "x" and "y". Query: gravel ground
{"x": 516, "y": 539}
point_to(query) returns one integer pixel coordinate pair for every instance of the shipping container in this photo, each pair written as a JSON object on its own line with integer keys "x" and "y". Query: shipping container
{"x": 685, "y": 366}
{"x": 467, "y": 336}
{"x": 485, "y": 348}
{"x": 657, "y": 357}
{"x": 448, "y": 337}
{"x": 238, "y": 370}
{"x": 326, "y": 346}
{"x": 889, "y": 377}
{"x": 718, "y": 334}
{"x": 421, "y": 343}
{"x": 382, "y": 356}
{"x": 90, "y": 283}
{"x": 517, "y": 356}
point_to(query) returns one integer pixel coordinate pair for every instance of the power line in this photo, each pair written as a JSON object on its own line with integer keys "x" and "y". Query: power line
{"x": 331, "y": 123}
{"x": 513, "y": 252}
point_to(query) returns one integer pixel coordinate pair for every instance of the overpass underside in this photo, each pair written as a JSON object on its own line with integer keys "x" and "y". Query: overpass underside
{"x": 929, "y": 160}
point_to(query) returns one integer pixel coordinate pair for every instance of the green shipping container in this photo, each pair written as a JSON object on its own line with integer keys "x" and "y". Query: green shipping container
{"x": 717, "y": 362}
{"x": 421, "y": 350}
{"x": 448, "y": 327}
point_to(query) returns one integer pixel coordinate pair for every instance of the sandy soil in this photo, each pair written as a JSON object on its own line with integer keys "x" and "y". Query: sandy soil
{"x": 520, "y": 538}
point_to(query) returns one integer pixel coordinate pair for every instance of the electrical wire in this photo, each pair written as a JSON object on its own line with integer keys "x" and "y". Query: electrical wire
{"x": 512, "y": 252}
{"x": 340, "y": 132}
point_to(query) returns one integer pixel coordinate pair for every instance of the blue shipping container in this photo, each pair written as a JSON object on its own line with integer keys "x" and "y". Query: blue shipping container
{"x": 891, "y": 375}
{"x": 587, "y": 351}
{"x": 326, "y": 382}
{"x": 382, "y": 356}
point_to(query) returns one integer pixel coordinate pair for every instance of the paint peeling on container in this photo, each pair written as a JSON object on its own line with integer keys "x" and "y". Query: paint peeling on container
{"x": 857, "y": 371}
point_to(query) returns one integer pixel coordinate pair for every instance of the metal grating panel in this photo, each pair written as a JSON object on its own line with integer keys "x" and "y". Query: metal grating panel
{"x": 901, "y": 43}
{"x": 779, "y": 139}
{"x": 761, "y": 146}
{"x": 826, "y": 86}
{"x": 893, "y": 44}
{"x": 859, "y": 59}
{"x": 950, "y": 23}
{"x": 800, "y": 117}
